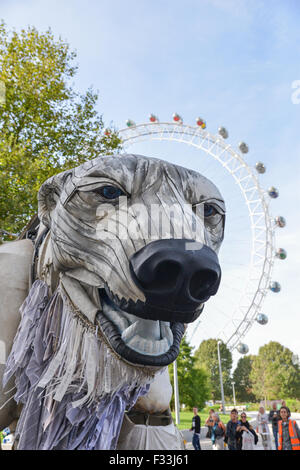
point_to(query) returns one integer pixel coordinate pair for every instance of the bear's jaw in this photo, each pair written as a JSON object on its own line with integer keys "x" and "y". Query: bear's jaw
{"x": 138, "y": 340}
{"x": 149, "y": 337}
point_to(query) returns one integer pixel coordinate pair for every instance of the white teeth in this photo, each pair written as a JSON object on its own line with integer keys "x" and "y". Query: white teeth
{"x": 146, "y": 346}
{"x": 144, "y": 328}
{"x": 129, "y": 333}
{"x": 151, "y": 337}
{"x": 166, "y": 332}
{"x": 148, "y": 337}
{"x": 162, "y": 346}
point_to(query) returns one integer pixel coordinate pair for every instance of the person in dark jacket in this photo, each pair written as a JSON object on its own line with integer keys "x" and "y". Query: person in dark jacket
{"x": 244, "y": 426}
{"x": 274, "y": 417}
{"x": 196, "y": 427}
{"x": 231, "y": 428}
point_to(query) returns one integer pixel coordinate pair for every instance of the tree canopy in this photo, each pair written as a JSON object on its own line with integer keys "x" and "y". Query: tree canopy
{"x": 273, "y": 373}
{"x": 206, "y": 357}
{"x": 45, "y": 125}
{"x": 269, "y": 375}
{"x": 192, "y": 381}
{"x": 241, "y": 378}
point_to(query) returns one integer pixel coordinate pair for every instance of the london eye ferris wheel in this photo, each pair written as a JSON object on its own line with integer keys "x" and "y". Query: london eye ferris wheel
{"x": 238, "y": 305}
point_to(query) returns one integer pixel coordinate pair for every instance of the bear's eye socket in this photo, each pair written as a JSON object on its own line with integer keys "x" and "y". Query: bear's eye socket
{"x": 209, "y": 210}
{"x": 109, "y": 192}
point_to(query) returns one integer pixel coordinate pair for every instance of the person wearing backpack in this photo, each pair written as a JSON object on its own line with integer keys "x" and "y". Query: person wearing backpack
{"x": 217, "y": 433}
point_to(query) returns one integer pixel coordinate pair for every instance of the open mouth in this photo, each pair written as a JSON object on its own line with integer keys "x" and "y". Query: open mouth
{"x": 139, "y": 340}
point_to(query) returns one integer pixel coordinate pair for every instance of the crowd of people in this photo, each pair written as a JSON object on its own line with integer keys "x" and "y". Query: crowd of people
{"x": 238, "y": 434}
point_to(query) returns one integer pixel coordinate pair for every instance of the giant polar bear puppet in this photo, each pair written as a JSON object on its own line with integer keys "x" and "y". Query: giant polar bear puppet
{"x": 111, "y": 291}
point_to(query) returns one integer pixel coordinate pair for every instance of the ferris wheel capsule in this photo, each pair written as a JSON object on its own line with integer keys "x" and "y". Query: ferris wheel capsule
{"x": 280, "y": 221}
{"x": 153, "y": 118}
{"x": 260, "y": 167}
{"x": 281, "y": 253}
{"x": 273, "y": 192}
{"x": 130, "y": 123}
{"x": 200, "y": 122}
{"x": 223, "y": 132}
{"x": 243, "y": 147}
{"x": 262, "y": 319}
{"x": 275, "y": 287}
{"x": 242, "y": 348}
{"x": 177, "y": 118}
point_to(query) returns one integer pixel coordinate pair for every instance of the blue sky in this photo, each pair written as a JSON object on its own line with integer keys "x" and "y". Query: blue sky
{"x": 233, "y": 62}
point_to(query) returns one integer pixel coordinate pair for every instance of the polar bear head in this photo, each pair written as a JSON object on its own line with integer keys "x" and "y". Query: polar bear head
{"x": 145, "y": 233}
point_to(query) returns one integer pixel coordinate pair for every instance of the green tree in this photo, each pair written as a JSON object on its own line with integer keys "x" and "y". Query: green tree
{"x": 207, "y": 357}
{"x": 273, "y": 373}
{"x": 192, "y": 381}
{"x": 45, "y": 125}
{"x": 241, "y": 377}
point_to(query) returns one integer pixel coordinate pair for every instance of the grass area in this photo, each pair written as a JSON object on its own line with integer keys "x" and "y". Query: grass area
{"x": 187, "y": 416}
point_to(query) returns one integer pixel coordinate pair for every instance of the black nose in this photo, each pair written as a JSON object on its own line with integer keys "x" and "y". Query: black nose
{"x": 175, "y": 277}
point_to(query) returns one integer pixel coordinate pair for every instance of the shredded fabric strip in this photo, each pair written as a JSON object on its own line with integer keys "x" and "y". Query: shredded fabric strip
{"x": 74, "y": 390}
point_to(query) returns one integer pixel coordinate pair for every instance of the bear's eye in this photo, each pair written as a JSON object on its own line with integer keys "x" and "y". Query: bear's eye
{"x": 209, "y": 210}
{"x": 109, "y": 192}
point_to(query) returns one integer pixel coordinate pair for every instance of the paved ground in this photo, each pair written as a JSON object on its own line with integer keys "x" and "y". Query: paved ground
{"x": 206, "y": 443}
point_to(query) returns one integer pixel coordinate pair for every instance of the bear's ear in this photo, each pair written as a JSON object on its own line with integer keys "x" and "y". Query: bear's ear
{"x": 49, "y": 194}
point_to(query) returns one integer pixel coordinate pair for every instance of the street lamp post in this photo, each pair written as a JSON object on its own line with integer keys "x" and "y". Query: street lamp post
{"x": 176, "y": 393}
{"x": 221, "y": 378}
{"x": 233, "y": 391}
